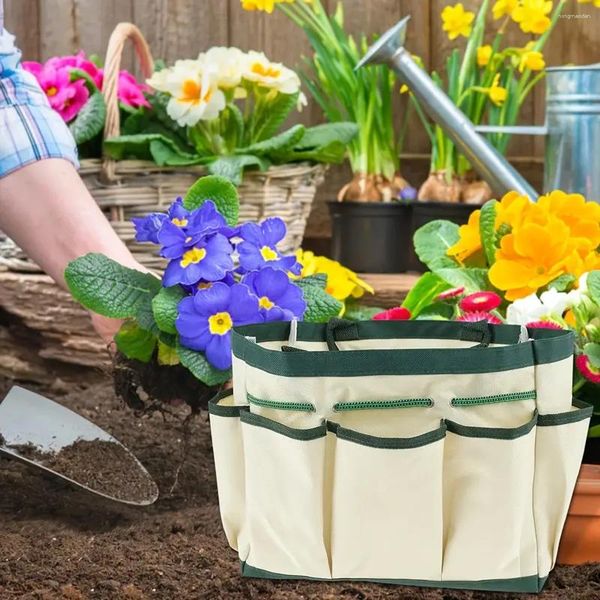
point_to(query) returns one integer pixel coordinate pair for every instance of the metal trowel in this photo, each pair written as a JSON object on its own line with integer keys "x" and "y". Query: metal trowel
{"x": 33, "y": 427}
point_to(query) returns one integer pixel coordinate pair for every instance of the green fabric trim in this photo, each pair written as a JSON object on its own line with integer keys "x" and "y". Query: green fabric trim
{"x": 275, "y": 404}
{"x": 548, "y": 346}
{"x": 388, "y": 443}
{"x": 303, "y": 435}
{"x": 214, "y": 408}
{"x": 377, "y": 404}
{"x": 495, "y": 433}
{"x": 584, "y": 411}
{"x": 531, "y": 583}
{"x": 477, "y": 400}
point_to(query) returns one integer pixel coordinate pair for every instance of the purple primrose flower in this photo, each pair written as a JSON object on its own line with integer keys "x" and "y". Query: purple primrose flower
{"x": 278, "y": 297}
{"x": 205, "y": 320}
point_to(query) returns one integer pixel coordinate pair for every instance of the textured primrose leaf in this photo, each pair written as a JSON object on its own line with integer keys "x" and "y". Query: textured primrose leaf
{"x": 563, "y": 282}
{"x": 108, "y": 288}
{"x": 274, "y": 118}
{"x": 134, "y": 342}
{"x": 487, "y": 230}
{"x": 428, "y": 287}
{"x": 218, "y": 189}
{"x": 164, "y": 307}
{"x": 592, "y": 351}
{"x": 200, "y": 368}
{"x": 167, "y": 355}
{"x": 473, "y": 279}
{"x": 320, "y": 306}
{"x": 360, "y": 312}
{"x": 432, "y": 242}
{"x": 90, "y": 120}
{"x": 277, "y": 144}
{"x": 593, "y": 284}
{"x": 232, "y": 167}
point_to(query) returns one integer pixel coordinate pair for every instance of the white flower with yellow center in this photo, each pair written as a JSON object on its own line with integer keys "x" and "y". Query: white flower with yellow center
{"x": 265, "y": 73}
{"x": 228, "y": 63}
{"x": 193, "y": 90}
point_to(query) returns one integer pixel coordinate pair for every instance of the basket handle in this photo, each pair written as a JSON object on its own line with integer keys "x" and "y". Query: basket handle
{"x": 112, "y": 65}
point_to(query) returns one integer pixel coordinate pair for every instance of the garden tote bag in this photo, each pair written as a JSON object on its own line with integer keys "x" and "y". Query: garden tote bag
{"x": 420, "y": 453}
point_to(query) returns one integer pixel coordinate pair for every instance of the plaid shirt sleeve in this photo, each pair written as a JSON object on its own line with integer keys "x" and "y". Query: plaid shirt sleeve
{"x": 29, "y": 129}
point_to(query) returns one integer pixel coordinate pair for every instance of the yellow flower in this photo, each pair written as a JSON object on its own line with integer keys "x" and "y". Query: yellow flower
{"x": 470, "y": 239}
{"x": 266, "y": 5}
{"x": 496, "y": 92}
{"x": 342, "y": 283}
{"x": 532, "y": 15}
{"x": 504, "y": 8}
{"x": 403, "y": 88}
{"x": 531, "y": 59}
{"x": 484, "y": 53}
{"x": 275, "y": 76}
{"x": 457, "y": 21}
{"x": 596, "y": 3}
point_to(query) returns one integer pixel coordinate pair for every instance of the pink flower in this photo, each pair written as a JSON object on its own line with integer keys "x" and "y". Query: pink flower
{"x": 584, "y": 366}
{"x": 451, "y": 293}
{"x": 544, "y": 325}
{"x": 398, "y": 313}
{"x": 484, "y": 301}
{"x": 479, "y": 315}
{"x": 130, "y": 92}
{"x": 66, "y": 97}
{"x": 78, "y": 61}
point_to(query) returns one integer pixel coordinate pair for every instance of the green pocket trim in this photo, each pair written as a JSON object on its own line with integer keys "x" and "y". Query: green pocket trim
{"x": 303, "y": 435}
{"x": 388, "y": 443}
{"x": 280, "y": 405}
{"x": 481, "y": 400}
{"x": 494, "y": 433}
{"x": 530, "y": 583}
{"x": 214, "y": 408}
{"x": 377, "y": 404}
{"x": 584, "y": 412}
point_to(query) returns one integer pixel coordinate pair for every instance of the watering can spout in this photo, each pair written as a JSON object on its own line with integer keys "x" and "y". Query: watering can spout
{"x": 486, "y": 160}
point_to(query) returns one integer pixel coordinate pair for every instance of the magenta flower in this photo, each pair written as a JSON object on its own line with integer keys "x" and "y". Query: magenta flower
{"x": 78, "y": 61}
{"x": 130, "y": 92}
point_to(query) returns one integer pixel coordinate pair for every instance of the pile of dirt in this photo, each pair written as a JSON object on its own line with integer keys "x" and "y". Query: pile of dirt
{"x": 58, "y": 543}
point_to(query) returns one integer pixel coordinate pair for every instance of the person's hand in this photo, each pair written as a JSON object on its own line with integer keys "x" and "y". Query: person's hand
{"x": 106, "y": 328}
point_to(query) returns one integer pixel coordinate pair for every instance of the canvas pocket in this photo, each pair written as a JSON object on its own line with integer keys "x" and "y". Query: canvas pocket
{"x": 284, "y": 490}
{"x": 386, "y": 511}
{"x": 226, "y": 433}
{"x": 559, "y": 448}
{"x": 489, "y": 528}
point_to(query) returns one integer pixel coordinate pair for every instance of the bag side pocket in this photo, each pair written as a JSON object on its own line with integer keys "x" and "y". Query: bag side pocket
{"x": 386, "y": 512}
{"x": 285, "y": 499}
{"x": 226, "y": 433}
{"x": 489, "y": 528}
{"x": 559, "y": 449}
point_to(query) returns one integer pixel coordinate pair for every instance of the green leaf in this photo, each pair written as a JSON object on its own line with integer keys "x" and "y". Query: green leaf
{"x": 432, "y": 242}
{"x": 473, "y": 279}
{"x": 232, "y": 167}
{"x": 323, "y": 135}
{"x": 438, "y": 311}
{"x": 75, "y": 74}
{"x": 333, "y": 153}
{"x": 90, "y": 120}
{"x": 149, "y": 146}
{"x": 164, "y": 307}
{"x": 167, "y": 355}
{"x": 218, "y": 189}
{"x": 592, "y": 351}
{"x": 145, "y": 317}
{"x": 320, "y": 306}
{"x": 164, "y": 152}
{"x": 563, "y": 282}
{"x": 487, "y": 230}
{"x": 594, "y": 432}
{"x": 278, "y": 144}
{"x": 107, "y": 287}
{"x": 593, "y": 284}
{"x": 200, "y": 367}
{"x": 360, "y": 312}
{"x": 428, "y": 287}
{"x": 273, "y": 119}
{"x": 134, "y": 342}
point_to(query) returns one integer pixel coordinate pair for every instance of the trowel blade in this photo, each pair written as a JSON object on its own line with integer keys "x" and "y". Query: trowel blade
{"x": 29, "y": 420}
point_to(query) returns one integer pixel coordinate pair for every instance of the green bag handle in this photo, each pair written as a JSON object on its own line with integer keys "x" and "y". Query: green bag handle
{"x": 343, "y": 330}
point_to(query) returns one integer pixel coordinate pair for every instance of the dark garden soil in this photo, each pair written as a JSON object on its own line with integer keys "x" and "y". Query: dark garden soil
{"x": 57, "y": 543}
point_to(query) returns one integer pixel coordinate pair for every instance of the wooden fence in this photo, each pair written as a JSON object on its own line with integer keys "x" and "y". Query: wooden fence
{"x": 183, "y": 28}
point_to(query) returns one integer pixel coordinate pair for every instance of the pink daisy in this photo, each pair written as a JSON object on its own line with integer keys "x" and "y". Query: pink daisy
{"x": 479, "y": 315}
{"x": 451, "y": 293}
{"x": 480, "y": 301}
{"x": 584, "y": 366}
{"x": 544, "y": 325}
{"x": 398, "y": 313}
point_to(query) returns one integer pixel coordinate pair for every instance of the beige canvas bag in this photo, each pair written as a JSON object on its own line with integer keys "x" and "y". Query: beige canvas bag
{"x": 421, "y": 453}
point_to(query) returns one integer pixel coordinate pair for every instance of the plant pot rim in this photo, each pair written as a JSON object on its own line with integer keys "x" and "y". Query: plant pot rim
{"x": 356, "y": 203}
{"x": 588, "y": 481}
{"x": 441, "y": 203}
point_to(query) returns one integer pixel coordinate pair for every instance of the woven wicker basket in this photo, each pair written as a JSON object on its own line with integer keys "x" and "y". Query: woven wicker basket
{"x": 130, "y": 188}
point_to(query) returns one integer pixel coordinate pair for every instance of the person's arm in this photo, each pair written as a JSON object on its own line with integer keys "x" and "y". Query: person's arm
{"x": 47, "y": 210}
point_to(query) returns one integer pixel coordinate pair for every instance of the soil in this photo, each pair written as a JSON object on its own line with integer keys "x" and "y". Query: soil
{"x": 59, "y": 543}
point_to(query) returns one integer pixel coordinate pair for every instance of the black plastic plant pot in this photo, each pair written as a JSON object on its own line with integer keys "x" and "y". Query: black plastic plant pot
{"x": 424, "y": 212}
{"x": 371, "y": 237}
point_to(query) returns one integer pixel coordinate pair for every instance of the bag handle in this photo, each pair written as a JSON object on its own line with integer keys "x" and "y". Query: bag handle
{"x": 112, "y": 66}
{"x": 342, "y": 330}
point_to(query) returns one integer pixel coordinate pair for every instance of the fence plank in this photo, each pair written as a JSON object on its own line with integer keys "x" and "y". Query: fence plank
{"x": 22, "y": 18}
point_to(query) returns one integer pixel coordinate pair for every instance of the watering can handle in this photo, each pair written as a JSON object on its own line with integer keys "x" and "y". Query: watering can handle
{"x": 513, "y": 129}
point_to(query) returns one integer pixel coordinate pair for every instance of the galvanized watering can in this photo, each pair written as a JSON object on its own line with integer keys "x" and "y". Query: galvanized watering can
{"x": 572, "y": 123}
